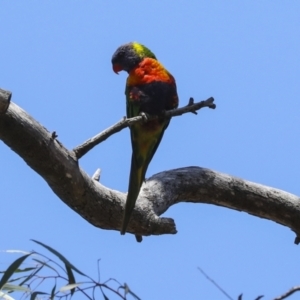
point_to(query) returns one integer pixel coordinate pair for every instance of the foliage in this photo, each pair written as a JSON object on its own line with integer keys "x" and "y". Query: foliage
{"x": 60, "y": 277}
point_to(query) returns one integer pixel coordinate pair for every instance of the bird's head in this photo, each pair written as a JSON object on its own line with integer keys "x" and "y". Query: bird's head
{"x": 129, "y": 56}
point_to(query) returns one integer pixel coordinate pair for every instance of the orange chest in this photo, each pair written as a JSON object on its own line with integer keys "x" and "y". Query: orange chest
{"x": 147, "y": 71}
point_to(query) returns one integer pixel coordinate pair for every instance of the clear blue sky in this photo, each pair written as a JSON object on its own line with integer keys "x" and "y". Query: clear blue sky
{"x": 56, "y": 59}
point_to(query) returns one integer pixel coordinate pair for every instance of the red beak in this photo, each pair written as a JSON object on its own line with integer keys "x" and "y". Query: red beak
{"x": 117, "y": 68}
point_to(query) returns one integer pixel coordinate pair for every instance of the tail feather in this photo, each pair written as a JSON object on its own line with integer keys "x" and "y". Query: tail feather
{"x": 144, "y": 146}
{"x": 137, "y": 176}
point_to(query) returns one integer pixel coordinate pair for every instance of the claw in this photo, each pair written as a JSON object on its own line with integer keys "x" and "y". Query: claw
{"x": 144, "y": 116}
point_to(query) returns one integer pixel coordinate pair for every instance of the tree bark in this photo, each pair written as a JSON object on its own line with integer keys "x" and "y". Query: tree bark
{"x": 103, "y": 207}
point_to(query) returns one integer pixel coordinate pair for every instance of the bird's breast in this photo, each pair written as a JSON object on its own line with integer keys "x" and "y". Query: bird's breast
{"x": 147, "y": 71}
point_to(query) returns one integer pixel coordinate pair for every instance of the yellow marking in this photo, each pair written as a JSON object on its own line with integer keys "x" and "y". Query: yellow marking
{"x": 138, "y": 48}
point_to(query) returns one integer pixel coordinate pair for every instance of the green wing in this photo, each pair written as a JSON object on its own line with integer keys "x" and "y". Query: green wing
{"x": 145, "y": 139}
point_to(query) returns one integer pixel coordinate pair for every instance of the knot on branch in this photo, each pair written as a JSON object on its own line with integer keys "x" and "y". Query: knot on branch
{"x": 5, "y": 97}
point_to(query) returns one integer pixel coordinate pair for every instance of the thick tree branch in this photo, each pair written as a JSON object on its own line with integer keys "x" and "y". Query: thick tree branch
{"x": 102, "y": 136}
{"x": 103, "y": 207}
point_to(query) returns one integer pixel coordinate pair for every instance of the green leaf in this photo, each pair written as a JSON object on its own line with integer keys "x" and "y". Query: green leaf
{"x": 5, "y": 296}
{"x": 71, "y": 278}
{"x": 53, "y": 292}
{"x": 61, "y": 257}
{"x": 24, "y": 270}
{"x": 11, "y": 269}
{"x": 33, "y": 295}
{"x": 15, "y": 288}
{"x": 69, "y": 287}
{"x": 17, "y": 251}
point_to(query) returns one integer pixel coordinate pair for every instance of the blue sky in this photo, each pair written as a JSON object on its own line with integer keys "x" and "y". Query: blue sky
{"x": 56, "y": 59}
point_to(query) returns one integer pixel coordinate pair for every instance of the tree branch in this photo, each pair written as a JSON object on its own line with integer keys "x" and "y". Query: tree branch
{"x": 102, "y": 136}
{"x": 215, "y": 284}
{"x": 5, "y": 97}
{"x": 103, "y": 207}
{"x": 289, "y": 293}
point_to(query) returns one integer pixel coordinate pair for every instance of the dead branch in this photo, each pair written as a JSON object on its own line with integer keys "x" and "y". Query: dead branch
{"x": 5, "y": 97}
{"x": 288, "y": 293}
{"x": 240, "y": 297}
{"x": 215, "y": 284}
{"x": 102, "y": 136}
{"x": 103, "y": 207}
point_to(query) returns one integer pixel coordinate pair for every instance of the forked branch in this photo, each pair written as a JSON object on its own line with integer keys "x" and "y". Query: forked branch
{"x": 103, "y": 207}
{"x": 102, "y": 136}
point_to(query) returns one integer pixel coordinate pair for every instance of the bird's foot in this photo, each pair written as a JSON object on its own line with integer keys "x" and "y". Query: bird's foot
{"x": 145, "y": 116}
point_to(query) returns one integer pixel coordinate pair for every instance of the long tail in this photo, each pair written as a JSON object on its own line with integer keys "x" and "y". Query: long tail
{"x": 144, "y": 145}
{"x": 137, "y": 176}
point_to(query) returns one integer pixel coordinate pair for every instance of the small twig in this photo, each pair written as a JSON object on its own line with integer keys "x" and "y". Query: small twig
{"x": 289, "y": 293}
{"x": 138, "y": 238}
{"x": 96, "y": 175}
{"x": 191, "y": 107}
{"x": 214, "y": 283}
{"x": 54, "y": 135}
{"x": 191, "y": 102}
{"x": 102, "y": 136}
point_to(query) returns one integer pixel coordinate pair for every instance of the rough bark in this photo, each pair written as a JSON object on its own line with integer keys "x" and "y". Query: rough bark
{"x": 103, "y": 207}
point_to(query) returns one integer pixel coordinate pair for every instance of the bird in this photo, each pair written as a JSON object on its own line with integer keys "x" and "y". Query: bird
{"x": 150, "y": 90}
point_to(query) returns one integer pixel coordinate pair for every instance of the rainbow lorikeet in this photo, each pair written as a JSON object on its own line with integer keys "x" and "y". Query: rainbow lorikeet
{"x": 150, "y": 89}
